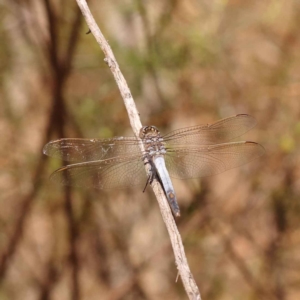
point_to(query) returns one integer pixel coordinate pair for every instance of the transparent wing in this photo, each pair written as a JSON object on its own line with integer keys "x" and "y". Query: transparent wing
{"x": 113, "y": 173}
{"x": 210, "y": 160}
{"x": 80, "y": 150}
{"x": 216, "y": 133}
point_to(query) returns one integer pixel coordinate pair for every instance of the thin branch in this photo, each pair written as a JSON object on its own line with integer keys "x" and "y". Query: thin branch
{"x": 113, "y": 65}
{"x": 27, "y": 203}
{"x": 181, "y": 261}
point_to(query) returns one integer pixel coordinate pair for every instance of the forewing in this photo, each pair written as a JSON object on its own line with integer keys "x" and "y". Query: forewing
{"x": 210, "y": 160}
{"x": 216, "y": 133}
{"x": 81, "y": 150}
{"x": 106, "y": 174}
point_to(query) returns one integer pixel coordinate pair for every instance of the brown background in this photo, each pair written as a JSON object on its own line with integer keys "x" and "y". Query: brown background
{"x": 187, "y": 63}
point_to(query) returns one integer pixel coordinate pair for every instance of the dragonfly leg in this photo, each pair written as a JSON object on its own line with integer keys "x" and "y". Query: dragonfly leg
{"x": 151, "y": 174}
{"x": 147, "y": 182}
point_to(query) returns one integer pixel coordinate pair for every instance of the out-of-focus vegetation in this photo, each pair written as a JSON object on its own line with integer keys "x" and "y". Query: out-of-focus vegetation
{"x": 187, "y": 63}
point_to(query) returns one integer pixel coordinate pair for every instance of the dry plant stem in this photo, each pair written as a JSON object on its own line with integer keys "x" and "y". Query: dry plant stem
{"x": 181, "y": 261}
{"x": 113, "y": 65}
{"x": 178, "y": 249}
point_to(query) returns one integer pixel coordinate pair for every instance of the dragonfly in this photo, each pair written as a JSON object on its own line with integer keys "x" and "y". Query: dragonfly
{"x": 191, "y": 152}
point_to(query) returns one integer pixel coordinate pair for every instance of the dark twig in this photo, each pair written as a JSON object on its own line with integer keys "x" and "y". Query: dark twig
{"x": 25, "y": 209}
{"x": 61, "y": 70}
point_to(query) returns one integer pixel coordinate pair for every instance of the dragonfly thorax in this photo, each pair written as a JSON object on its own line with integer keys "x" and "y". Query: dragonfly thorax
{"x": 152, "y": 140}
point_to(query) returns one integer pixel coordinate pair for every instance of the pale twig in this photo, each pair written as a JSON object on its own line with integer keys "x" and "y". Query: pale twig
{"x": 180, "y": 258}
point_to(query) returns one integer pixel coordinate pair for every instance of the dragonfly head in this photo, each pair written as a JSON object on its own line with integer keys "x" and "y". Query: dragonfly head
{"x": 148, "y": 131}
